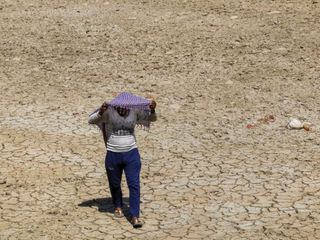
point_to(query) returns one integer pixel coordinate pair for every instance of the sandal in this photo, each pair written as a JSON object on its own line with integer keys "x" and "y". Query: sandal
{"x": 136, "y": 222}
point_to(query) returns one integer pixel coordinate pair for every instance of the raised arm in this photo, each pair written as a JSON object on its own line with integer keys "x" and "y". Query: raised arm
{"x": 149, "y": 116}
{"x": 153, "y": 115}
{"x": 96, "y": 116}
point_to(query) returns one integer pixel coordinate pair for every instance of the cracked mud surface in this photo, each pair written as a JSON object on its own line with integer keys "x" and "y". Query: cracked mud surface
{"x": 213, "y": 67}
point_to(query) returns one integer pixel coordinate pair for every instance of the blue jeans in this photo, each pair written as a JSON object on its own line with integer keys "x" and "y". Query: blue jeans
{"x": 130, "y": 162}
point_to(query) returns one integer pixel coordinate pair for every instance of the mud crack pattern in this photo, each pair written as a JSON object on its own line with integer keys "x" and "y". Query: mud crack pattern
{"x": 213, "y": 67}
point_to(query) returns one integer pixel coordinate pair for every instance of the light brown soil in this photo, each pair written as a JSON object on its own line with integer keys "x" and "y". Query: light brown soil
{"x": 213, "y": 66}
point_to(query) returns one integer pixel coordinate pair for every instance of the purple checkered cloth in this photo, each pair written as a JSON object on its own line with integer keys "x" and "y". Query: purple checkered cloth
{"x": 128, "y": 100}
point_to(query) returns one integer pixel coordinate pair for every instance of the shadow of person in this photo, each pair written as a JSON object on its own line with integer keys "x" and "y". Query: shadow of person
{"x": 104, "y": 205}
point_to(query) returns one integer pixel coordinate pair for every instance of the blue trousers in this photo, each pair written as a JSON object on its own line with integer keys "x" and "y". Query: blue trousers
{"x": 130, "y": 163}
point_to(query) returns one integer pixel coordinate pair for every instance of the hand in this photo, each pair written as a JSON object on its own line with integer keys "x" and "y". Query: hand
{"x": 103, "y": 108}
{"x": 153, "y": 105}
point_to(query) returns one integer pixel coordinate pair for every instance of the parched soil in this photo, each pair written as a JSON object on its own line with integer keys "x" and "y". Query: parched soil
{"x": 218, "y": 164}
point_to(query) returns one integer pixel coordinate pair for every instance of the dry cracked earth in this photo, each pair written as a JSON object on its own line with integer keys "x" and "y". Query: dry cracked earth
{"x": 213, "y": 166}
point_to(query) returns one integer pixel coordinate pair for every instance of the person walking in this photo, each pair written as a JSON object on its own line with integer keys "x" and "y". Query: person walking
{"x": 117, "y": 120}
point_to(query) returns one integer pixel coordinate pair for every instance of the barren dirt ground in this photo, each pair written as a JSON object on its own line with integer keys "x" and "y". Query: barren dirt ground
{"x": 213, "y": 67}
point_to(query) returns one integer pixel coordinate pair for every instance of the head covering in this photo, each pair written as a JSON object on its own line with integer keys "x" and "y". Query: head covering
{"x": 139, "y": 104}
{"x": 128, "y": 100}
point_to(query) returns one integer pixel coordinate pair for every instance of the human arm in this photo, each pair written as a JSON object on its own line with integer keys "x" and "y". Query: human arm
{"x": 147, "y": 115}
{"x": 153, "y": 115}
{"x": 96, "y": 116}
